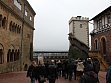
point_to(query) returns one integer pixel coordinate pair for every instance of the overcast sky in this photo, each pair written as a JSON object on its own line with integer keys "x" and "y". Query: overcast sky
{"x": 52, "y": 17}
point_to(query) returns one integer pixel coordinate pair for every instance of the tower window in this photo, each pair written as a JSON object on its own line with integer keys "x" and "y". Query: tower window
{"x": 80, "y": 25}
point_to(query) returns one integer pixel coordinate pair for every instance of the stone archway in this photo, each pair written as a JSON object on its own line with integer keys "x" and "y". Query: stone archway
{"x": 96, "y": 44}
{"x": 1, "y": 54}
{"x": 10, "y": 54}
{"x": 25, "y": 67}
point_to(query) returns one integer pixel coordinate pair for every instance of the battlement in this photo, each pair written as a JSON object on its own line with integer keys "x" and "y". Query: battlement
{"x": 79, "y": 18}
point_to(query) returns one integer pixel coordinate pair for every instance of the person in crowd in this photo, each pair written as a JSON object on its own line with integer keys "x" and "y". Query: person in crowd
{"x": 96, "y": 66}
{"x": 80, "y": 69}
{"x": 31, "y": 72}
{"x": 75, "y": 69}
{"x": 108, "y": 75}
{"x": 59, "y": 68}
{"x": 89, "y": 75}
{"x": 88, "y": 65}
{"x": 52, "y": 72}
{"x": 70, "y": 70}
{"x": 46, "y": 67}
{"x": 63, "y": 68}
{"x": 66, "y": 69}
{"x": 41, "y": 71}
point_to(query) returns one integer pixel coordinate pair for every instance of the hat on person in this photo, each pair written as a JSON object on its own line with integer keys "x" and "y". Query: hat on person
{"x": 52, "y": 61}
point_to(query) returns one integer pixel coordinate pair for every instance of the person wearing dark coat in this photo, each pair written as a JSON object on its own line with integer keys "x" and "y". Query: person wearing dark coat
{"x": 66, "y": 69}
{"x": 31, "y": 72}
{"x": 59, "y": 68}
{"x": 108, "y": 75}
{"x": 89, "y": 75}
{"x": 70, "y": 69}
{"x": 46, "y": 67}
{"x": 96, "y": 66}
{"x": 41, "y": 71}
{"x": 52, "y": 73}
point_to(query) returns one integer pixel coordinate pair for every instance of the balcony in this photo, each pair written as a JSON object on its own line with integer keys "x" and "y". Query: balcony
{"x": 101, "y": 29}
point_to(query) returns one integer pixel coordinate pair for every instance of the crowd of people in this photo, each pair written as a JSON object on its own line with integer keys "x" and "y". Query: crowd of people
{"x": 85, "y": 71}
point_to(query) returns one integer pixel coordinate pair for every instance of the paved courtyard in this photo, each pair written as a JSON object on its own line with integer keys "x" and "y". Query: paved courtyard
{"x": 20, "y": 77}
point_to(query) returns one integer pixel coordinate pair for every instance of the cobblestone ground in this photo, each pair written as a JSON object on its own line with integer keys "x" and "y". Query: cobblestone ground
{"x": 20, "y": 77}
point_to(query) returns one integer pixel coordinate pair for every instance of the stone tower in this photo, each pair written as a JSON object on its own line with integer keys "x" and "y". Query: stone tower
{"x": 79, "y": 28}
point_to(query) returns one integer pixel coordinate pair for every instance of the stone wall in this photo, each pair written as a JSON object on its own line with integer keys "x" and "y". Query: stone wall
{"x": 16, "y": 34}
{"x": 107, "y": 36}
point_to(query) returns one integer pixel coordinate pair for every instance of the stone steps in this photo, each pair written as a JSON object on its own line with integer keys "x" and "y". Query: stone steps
{"x": 103, "y": 63}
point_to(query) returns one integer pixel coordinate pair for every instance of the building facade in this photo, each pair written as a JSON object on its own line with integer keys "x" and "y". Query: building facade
{"x": 79, "y": 28}
{"x": 44, "y": 56}
{"x": 16, "y": 34}
{"x": 101, "y": 34}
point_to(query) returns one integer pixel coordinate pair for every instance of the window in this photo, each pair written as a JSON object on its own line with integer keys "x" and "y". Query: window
{"x": 0, "y": 20}
{"x": 30, "y": 18}
{"x": 1, "y": 56}
{"x": 109, "y": 18}
{"x": 96, "y": 45}
{"x": 99, "y": 23}
{"x": 15, "y": 55}
{"x": 13, "y": 27}
{"x": 10, "y": 26}
{"x": 18, "y": 54}
{"x": 8, "y": 55}
{"x": 4, "y": 22}
{"x": 20, "y": 29}
{"x": 17, "y": 4}
{"x": 80, "y": 25}
{"x": 103, "y": 45}
{"x": 12, "y": 56}
{"x": 26, "y": 13}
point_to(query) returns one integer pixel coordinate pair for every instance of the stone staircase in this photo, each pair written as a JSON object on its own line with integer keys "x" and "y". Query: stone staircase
{"x": 99, "y": 56}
